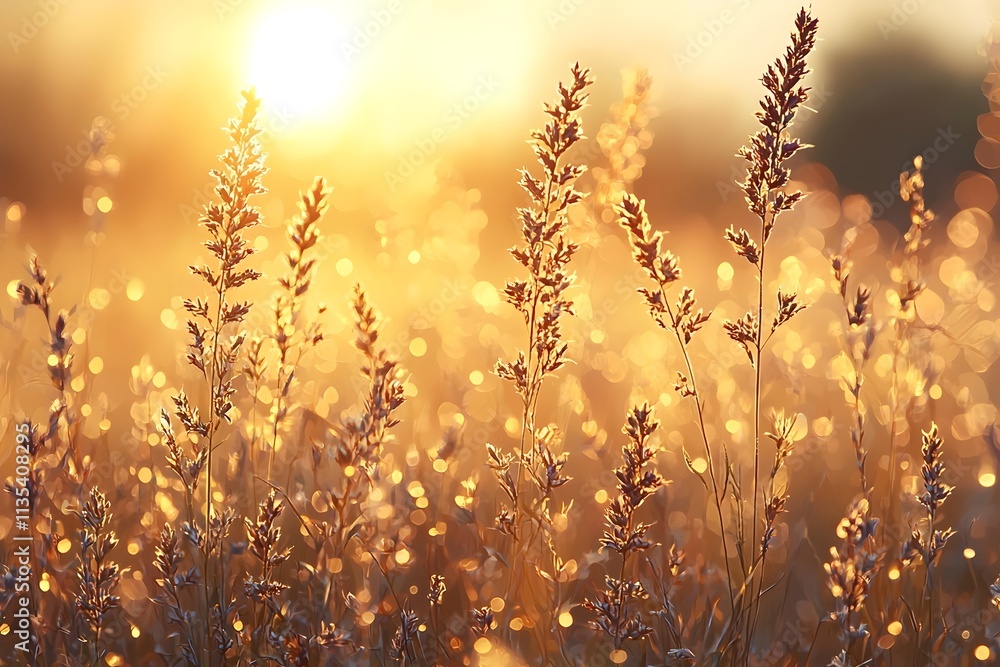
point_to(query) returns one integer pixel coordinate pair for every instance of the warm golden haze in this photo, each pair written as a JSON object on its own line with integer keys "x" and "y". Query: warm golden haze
{"x": 691, "y": 363}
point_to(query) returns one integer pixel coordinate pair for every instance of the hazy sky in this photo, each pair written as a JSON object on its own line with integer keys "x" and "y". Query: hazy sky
{"x": 374, "y": 79}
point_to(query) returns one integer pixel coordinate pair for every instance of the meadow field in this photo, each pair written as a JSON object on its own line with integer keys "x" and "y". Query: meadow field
{"x": 699, "y": 404}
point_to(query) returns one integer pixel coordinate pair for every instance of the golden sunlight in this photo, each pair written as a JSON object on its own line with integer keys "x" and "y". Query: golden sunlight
{"x": 538, "y": 333}
{"x": 295, "y": 63}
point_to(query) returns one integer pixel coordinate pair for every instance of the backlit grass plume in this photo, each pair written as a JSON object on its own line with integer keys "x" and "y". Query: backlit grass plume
{"x": 541, "y": 297}
{"x": 859, "y": 339}
{"x": 927, "y": 543}
{"x": 173, "y": 597}
{"x": 59, "y": 467}
{"x": 684, "y": 318}
{"x": 264, "y": 590}
{"x": 909, "y": 284}
{"x": 356, "y": 446}
{"x": 37, "y": 293}
{"x": 216, "y": 338}
{"x": 767, "y": 197}
{"x": 98, "y": 572}
{"x": 851, "y": 569}
{"x": 626, "y": 535}
{"x": 292, "y": 334}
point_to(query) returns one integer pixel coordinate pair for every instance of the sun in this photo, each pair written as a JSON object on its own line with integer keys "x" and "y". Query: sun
{"x": 295, "y": 61}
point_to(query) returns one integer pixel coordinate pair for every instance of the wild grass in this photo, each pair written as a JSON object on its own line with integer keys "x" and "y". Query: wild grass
{"x": 542, "y": 301}
{"x": 626, "y": 536}
{"x": 271, "y": 530}
{"x": 98, "y": 573}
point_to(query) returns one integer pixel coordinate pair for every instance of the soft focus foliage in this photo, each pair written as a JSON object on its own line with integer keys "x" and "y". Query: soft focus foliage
{"x": 297, "y": 446}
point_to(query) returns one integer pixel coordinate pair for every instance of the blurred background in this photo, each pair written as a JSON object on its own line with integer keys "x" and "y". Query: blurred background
{"x": 418, "y": 113}
{"x": 404, "y": 106}
{"x": 353, "y": 88}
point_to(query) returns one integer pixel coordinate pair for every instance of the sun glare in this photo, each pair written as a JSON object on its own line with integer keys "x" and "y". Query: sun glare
{"x": 295, "y": 62}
